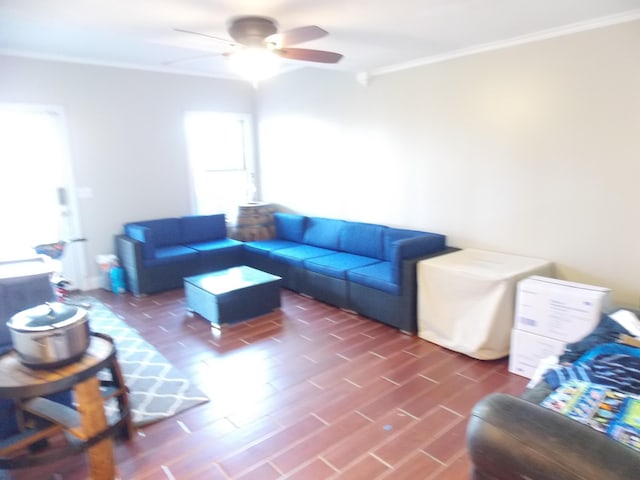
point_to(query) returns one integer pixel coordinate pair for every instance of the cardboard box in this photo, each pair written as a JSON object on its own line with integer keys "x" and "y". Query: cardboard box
{"x": 566, "y": 311}
{"x": 527, "y": 349}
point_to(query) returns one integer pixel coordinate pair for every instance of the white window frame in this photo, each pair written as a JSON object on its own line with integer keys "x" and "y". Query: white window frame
{"x": 249, "y": 163}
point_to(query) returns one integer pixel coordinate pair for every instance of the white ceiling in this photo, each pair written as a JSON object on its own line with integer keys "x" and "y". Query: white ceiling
{"x": 375, "y": 36}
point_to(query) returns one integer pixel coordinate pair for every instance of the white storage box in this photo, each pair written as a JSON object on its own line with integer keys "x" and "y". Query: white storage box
{"x": 566, "y": 311}
{"x": 527, "y": 349}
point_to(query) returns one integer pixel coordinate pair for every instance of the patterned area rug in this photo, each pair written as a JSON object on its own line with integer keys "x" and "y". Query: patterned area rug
{"x": 157, "y": 390}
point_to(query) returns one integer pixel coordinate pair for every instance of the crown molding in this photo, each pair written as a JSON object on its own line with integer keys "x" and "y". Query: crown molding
{"x": 100, "y": 63}
{"x": 602, "y": 22}
{"x": 570, "y": 29}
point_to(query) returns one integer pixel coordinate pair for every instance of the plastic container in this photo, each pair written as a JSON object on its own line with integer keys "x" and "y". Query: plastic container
{"x": 117, "y": 279}
{"x": 106, "y": 262}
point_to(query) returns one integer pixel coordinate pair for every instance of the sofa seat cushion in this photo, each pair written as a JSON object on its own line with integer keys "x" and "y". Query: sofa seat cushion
{"x": 297, "y": 255}
{"x": 215, "y": 247}
{"x": 338, "y": 264}
{"x": 378, "y": 276}
{"x": 225, "y": 246}
{"x": 203, "y": 228}
{"x": 264, "y": 247}
{"x": 175, "y": 253}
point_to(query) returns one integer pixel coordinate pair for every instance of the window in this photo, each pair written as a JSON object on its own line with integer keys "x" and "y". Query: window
{"x": 219, "y": 148}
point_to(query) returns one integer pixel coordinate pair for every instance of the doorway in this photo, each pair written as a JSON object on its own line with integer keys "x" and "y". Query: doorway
{"x": 35, "y": 186}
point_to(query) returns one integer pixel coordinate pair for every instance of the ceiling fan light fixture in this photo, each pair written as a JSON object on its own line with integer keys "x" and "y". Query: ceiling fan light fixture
{"x": 254, "y": 64}
{"x": 258, "y": 47}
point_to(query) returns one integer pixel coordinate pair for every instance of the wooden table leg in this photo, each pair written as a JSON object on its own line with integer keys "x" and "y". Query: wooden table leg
{"x": 122, "y": 397}
{"x": 93, "y": 421}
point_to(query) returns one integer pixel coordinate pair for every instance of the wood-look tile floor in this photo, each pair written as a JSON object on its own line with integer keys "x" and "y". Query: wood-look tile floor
{"x": 306, "y": 392}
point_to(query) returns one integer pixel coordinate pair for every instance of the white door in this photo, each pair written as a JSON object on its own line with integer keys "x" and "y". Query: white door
{"x": 36, "y": 205}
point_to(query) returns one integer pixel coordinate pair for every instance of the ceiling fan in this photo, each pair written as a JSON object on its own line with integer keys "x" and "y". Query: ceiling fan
{"x": 257, "y": 32}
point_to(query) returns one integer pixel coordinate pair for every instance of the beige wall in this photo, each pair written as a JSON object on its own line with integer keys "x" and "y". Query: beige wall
{"x": 125, "y": 137}
{"x": 532, "y": 150}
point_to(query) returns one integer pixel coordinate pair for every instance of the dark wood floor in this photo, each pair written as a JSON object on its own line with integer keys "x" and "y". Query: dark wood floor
{"x": 306, "y": 392}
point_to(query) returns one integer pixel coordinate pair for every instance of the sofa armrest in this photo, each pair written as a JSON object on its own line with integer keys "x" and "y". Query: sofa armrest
{"x": 508, "y": 438}
{"x": 418, "y": 246}
{"x": 129, "y": 252}
{"x": 145, "y": 236}
{"x": 414, "y": 248}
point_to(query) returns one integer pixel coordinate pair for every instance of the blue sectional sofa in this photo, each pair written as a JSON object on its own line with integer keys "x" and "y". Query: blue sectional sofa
{"x": 366, "y": 268}
{"x": 157, "y": 254}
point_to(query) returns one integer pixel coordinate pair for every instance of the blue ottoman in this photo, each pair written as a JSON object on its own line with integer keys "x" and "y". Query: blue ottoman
{"x": 233, "y": 294}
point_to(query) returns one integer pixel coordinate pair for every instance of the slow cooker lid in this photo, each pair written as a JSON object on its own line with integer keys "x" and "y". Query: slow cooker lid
{"x": 46, "y": 317}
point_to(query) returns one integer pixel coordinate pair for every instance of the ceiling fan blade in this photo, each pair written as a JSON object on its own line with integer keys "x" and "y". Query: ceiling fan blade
{"x": 308, "y": 55}
{"x": 295, "y": 36}
{"x": 224, "y": 40}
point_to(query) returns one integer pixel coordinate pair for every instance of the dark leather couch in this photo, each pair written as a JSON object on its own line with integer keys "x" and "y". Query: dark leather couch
{"x": 515, "y": 438}
{"x": 511, "y": 438}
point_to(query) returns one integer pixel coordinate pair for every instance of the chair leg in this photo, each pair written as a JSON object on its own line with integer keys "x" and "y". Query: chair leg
{"x": 122, "y": 397}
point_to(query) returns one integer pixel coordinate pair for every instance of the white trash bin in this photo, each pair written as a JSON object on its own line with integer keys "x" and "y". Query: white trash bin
{"x": 106, "y": 262}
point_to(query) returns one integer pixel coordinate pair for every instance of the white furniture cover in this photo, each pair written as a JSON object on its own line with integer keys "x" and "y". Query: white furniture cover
{"x": 466, "y": 299}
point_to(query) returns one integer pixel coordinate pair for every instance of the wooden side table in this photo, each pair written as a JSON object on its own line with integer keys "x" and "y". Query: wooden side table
{"x": 86, "y": 428}
{"x": 254, "y": 222}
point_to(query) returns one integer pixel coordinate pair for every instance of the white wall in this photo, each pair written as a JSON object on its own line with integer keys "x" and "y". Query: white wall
{"x": 532, "y": 150}
{"x": 125, "y": 137}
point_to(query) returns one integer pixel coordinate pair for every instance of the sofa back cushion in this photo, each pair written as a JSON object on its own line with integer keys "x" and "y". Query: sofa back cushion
{"x": 203, "y": 228}
{"x": 289, "y": 227}
{"x": 323, "y": 232}
{"x": 362, "y": 239}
